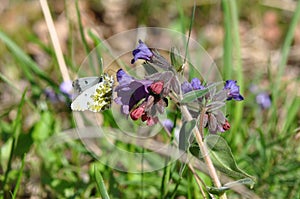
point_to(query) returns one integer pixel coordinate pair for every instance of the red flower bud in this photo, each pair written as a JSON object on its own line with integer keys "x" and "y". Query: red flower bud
{"x": 157, "y": 87}
{"x": 137, "y": 113}
{"x": 226, "y": 126}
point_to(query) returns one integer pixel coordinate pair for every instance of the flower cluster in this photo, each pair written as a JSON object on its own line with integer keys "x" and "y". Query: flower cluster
{"x": 146, "y": 98}
{"x": 141, "y": 99}
{"x": 214, "y": 118}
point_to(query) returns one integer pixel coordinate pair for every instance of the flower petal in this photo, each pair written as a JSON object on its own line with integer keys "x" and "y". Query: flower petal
{"x": 141, "y": 52}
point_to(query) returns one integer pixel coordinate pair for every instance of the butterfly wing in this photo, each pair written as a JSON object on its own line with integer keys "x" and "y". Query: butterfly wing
{"x": 96, "y": 97}
{"x": 84, "y": 83}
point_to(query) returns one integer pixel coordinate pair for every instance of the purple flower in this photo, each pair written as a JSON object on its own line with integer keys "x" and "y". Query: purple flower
{"x": 123, "y": 77}
{"x": 168, "y": 124}
{"x": 233, "y": 90}
{"x": 264, "y": 100}
{"x": 130, "y": 91}
{"x": 186, "y": 87}
{"x": 66, "y": 88}
{"x": 194, "y": 85}
{"x": 141, "y": 52}
{"x": 141, "y": 99}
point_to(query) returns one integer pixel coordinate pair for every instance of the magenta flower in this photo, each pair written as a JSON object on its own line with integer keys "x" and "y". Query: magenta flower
{"x": 233, "y": 90}
{"x": 141, "y": 52}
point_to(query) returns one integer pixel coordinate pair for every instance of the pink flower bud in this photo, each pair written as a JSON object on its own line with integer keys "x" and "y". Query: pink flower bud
{"x": 157, "y": 87}
{"x": 226, "y": 126}
{"x": 137, "y": 113}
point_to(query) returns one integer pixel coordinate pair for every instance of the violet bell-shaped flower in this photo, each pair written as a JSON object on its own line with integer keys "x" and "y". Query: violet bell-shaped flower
{"x": 194, "y": 85}
{"x": 233, "y": 90}
{"x": 130, "y": 91}
{"x": 141, "y": 52}
{"x": 141, "y": 99}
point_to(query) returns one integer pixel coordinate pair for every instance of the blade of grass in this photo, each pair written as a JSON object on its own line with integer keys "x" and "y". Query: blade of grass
{"x": 28, "y": 66}
{"x": 237, "y": 63}
{"x": 284, "y": 58}
{"x": 100, "y": 183}
{"x": 85, "y": 44}
{"x": 142, "y": 173}
{"x": 16, "y": 133}
{"x": 190, "y": 31}
{"x": 227, "y": 43}
{"x": 165, "y": 180}
{"x": 292, "y": 110}
{"x": 105, "y": 46}
{"x": 183, "y": 29}
{"x": 97, "y": 42}
{"x": 19, "y": 178}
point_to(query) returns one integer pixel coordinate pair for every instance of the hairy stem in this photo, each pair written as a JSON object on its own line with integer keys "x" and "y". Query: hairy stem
{"x": 199, "y": 138}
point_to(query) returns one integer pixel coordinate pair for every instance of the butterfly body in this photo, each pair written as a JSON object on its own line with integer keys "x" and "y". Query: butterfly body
{"x": 93, "y": 93}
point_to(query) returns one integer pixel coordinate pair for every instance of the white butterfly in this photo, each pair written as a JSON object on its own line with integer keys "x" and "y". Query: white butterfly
{"x": 93, "y": 93}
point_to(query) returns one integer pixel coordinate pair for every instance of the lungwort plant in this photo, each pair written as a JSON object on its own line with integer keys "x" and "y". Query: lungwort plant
{"x": 200, "y": 104}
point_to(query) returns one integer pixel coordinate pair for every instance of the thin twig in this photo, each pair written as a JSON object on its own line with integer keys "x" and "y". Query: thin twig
{"x": 55, "y": 41}
{"x": 198, "y": 134}
{"x": 198, "y": 180}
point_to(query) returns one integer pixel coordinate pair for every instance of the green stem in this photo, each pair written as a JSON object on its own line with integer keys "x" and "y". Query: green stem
{"x": 227, "y": 43}
{"x": 237, "y": 62}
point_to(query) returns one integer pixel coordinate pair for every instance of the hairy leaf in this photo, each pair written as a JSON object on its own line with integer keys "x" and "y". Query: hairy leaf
{"x": 222, "y": 157}
{"x": 193, "y": 95}
{"x": 176, "y": 59}
{"x": 185, "y": 134}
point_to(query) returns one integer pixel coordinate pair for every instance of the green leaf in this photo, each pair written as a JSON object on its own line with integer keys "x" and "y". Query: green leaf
{"x": 16, "y": 133}
{"x": 185, "y": 134}
{"x": 24, "y": 146}
{"x": 227, "y": 186}
{"x": 100, "y": 183}
{"x": 216, "y": 191}
{"x": 43, "y": 128}
{"x": 176, "y": 59}
{"x": 222, "y": 157}
{"x": 193, "y": 95}
{"x": 19, "y": 178}
{"x": 244, "y": 181}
